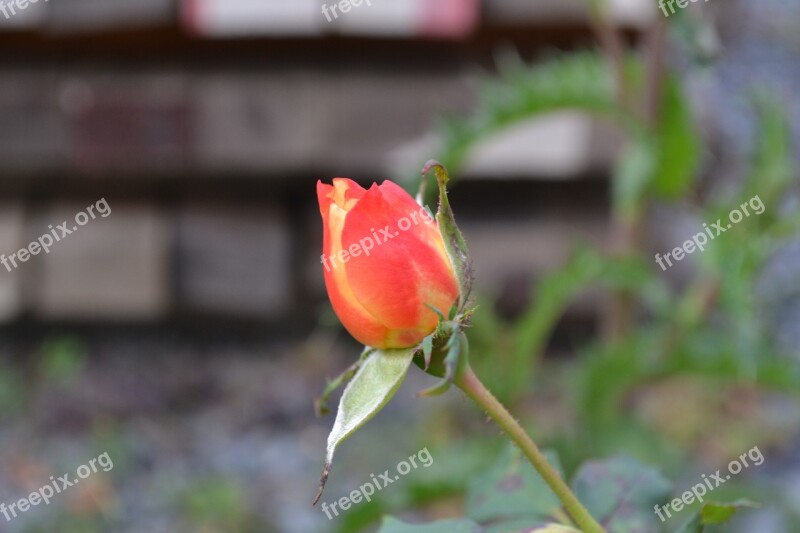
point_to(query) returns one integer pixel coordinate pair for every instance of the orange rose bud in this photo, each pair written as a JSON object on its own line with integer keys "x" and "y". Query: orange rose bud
{"x": 384, "y": 259}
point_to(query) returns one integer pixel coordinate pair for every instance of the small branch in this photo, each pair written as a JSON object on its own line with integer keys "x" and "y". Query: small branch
{"x": 654, "y": 81}
{"x": 612, "y": 47}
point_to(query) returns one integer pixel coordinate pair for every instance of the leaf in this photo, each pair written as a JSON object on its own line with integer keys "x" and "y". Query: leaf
{"x": 372, "y": 387}
{"x": 773, "y": 166}
{"x": 621, "y": 493}
{"x": 529, "y": 526}
{"x": 714, "y": 513}
{"x": 678, "y": 151}
{"x": 633, "y": 174}
{"x": 511, "y": 490}
{"x": 719, "y": 513}
{"x": 575, "y": 81}
{"x": 555, "y": 291}
{"x": 393, "y": 525}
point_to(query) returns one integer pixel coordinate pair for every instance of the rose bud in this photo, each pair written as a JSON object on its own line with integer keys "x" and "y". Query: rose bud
{"x": 384, "y": 263}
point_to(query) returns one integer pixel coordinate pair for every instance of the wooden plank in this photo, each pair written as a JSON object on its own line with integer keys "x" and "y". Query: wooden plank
{"x": 112, "y": 268}
{"x": 234, "y": 261}
{"x": 11, "y": 228}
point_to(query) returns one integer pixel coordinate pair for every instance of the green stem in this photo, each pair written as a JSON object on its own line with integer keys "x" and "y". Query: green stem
{"x": 467, "y": 381}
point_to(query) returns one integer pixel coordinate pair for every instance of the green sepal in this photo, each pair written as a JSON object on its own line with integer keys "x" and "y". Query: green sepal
{"x": 457, "y": 349}
{"x": 454, "y": 241}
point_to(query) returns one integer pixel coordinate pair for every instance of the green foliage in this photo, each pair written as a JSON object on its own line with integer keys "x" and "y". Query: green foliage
{"x": 62, "y": 358}
{"x": 714, "y": 513}
{"x": 510, "y": 497}
{"x": 12, "y": 390}
{"x": 661, "y": 159}
{"x": 218, "y": 504}
{"x": 576, "y": 81}
{"x": 677, "y": 142}
{"x": 708, "y": 331}
{"x": 621, "y": 493}
{"x": 392, "y": 525}
{"x": 511, "y": 490}
{"x": 507, "y": 497}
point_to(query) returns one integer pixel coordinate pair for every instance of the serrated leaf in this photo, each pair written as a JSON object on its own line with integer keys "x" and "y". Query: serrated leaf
{"x": 621, "y": 493}
{"x": 580, "y": 81}
{"x": 511, "y": 490}
{"x": 393, "y": 525}
{"x": 575, "y": 81}
{"x": 373, "y": 385}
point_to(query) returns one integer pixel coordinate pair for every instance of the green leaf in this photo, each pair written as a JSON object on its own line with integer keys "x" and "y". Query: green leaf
{"x": 555, "y": 291}
{"x": 393, "y": 525}
{"x": 579, "y": 81}
{"x": 678, "y": 145}
{"x": 511, "y": 490}
{"x": 773, "y": 164}
{"x": 528, "y": 526}
{"x": 714, "y": 513}
{"x": 633, "y": 175}
{"x": 373, "y": 385}
{"x": 575, "y": 81}
{"x": 621, "y": 493}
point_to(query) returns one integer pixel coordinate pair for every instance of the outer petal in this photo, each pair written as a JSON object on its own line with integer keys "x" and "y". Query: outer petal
{"x": 428, "y": 232}
{"x": 404, "y": 269}
{"x": 324, "y": 192}
{"x": 359, "y": 322}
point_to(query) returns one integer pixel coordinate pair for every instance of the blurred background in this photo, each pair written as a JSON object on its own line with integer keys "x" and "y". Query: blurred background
{"x": 188, "y": 333}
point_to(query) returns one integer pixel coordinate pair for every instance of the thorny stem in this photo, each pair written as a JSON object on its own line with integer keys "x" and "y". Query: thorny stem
{"x": 468, "y": 382}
